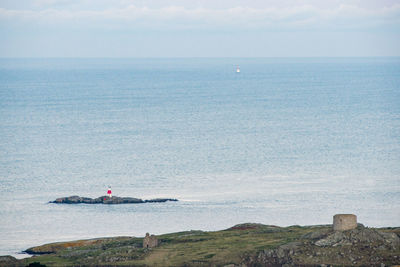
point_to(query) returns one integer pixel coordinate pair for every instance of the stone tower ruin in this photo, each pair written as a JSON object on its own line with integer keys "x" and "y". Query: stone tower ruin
{"x": 150, "y": 241}
{"x": 343, "y": 222}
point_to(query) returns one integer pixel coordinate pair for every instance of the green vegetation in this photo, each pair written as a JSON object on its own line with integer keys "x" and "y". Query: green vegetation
{"x": 192, "y": 248}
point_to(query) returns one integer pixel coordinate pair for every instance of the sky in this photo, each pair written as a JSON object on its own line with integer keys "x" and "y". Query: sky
{"x": 199, "y": 28}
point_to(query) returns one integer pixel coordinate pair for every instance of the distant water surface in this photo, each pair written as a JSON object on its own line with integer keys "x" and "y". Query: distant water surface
{"x": 286, "y": 141}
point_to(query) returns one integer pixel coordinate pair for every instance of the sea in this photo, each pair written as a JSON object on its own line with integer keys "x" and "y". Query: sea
{"x": 287, "y": 141}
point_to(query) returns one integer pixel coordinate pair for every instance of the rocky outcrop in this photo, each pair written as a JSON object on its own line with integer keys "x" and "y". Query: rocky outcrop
{"x": 368, "y": 236}
{"x": 8, "y": 261}
{"x": 357, "y": 247}
{"x": 107, "y": 200}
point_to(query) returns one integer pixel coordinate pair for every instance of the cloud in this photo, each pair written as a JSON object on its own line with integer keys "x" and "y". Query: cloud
{"x": 305, "y": 16}
{"x": 50, "y": 2}
{"x": 199, "y": 28}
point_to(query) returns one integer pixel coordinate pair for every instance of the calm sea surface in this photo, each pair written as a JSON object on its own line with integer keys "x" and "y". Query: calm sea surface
{"x": 286, "y": 141}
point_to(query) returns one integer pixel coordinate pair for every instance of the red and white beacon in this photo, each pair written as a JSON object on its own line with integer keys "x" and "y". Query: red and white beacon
{"x": 109, "y": 194}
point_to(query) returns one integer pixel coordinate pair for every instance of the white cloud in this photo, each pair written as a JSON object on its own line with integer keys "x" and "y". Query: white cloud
{"x": 199, "y": 27}
{"x": 305, "y": 16}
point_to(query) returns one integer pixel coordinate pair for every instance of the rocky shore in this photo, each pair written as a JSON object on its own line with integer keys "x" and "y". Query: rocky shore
{"x": 107, "y": 200}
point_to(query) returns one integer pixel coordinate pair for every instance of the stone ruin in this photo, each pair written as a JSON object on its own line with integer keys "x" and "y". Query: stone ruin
{"x": 343, "y": 222}
{"x": 150, "y": 241}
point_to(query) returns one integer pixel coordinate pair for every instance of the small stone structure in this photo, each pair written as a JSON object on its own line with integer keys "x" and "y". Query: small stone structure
{"x": 150, "y": 241}
{"x": 343, "y": 222}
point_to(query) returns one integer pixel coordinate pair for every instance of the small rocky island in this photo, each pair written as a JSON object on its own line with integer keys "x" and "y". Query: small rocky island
{"x": 107, "y": 200}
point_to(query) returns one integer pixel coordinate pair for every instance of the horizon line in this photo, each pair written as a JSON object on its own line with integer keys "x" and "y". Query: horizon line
{"x": 187, "y": 57}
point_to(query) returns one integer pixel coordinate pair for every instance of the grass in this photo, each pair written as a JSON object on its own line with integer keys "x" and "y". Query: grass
{"x": 189, "y": 248}
{"x": 195, "y": 248}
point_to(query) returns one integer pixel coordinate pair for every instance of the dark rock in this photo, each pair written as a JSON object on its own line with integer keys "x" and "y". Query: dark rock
{"x": 161, "y": 200}
{"x": 107, "y": 200}
{"x": 8, "y": 261}
{"x": 276, "y": 257}
{"x": 32, "y": 251}
{"x": 36, "y": 264}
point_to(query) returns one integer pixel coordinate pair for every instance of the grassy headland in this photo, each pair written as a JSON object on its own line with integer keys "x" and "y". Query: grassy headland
{"x": 241, "y": 245}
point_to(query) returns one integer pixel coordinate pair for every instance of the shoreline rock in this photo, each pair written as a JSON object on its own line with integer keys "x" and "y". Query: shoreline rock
{"x": 108, "y": 200}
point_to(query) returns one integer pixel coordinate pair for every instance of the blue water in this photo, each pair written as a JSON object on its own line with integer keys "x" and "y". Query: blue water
{"x": 286, "y": 141}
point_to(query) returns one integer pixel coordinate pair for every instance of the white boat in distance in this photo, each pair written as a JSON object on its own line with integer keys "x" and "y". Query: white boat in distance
{"x": 237, "y": 69}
